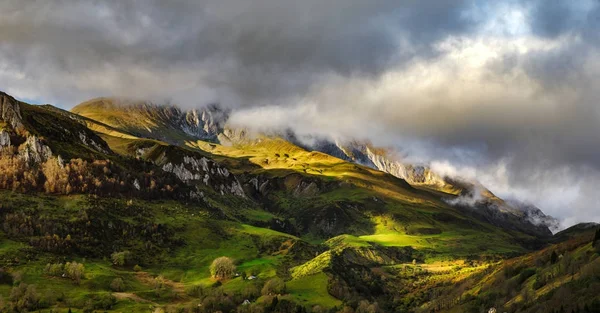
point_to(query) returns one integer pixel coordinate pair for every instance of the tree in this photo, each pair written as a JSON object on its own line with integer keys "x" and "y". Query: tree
{"x": 222, "y": 268}
{"x": 25, "y": 297}
{"x": 74, "y": 271}
{"x": 273, "y": 286}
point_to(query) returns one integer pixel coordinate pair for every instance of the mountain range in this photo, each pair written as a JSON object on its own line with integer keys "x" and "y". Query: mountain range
{"x": 341, "y": 224}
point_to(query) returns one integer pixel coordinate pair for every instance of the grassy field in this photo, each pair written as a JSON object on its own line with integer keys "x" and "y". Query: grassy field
{"x": 312, "y": 290}
{"x": 205, "y": 239}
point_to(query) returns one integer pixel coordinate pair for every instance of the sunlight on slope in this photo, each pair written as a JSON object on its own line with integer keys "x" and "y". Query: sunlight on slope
{"x": 277, "y": 154}
{"x": 312, "y": 290}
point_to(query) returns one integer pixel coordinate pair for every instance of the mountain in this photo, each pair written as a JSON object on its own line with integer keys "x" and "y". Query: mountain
{"x": 146, "y": 196}
{"x": 161, "y": 122}
{"x": 581, "y": 229}
{"x": 172, "y": 125}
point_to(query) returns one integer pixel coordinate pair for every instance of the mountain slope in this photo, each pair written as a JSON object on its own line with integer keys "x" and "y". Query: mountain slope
{"x": 140, "y": 115}
{"x": 165, "y": 123}
{"x": 335, "y": 232}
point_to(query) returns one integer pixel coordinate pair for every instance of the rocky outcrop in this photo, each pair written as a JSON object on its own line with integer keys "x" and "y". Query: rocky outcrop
{"x": 10, "y": 111}
{"x": 4, "y": 139}
{"x": 382, "y": 160}
{"x": 205, "y": 123}
{"x": 206, "y": 171}
{"x": 413, "y": 174}
{"x": 534, "y": 215}
{"x": 295, "y": 184}
{"x": 34, "y": 150}
{"x": 230, "y": 136}
{"x": 85, "y": 140}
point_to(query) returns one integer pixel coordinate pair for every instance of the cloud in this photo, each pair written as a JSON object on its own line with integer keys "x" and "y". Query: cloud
{"x": 481, "y": 106}
{"x": 242, "y": 52}
{"x": 505, "y": 91}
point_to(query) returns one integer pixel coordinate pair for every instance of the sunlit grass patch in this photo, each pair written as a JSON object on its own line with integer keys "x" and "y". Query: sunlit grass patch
{"x": 312, "y": 290}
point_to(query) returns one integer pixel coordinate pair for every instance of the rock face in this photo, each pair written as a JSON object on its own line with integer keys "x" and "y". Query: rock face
{"x": 4, "y": 139}
{"x": 382, "y": 160}
{"x": 413, "y": 174}
{"x": 10, "y": 111}
{"x": 34, "y": 150}
{"x": 85, "y": 140}
{"x": 534, "y": 215}
{"x": 192, "y": 169}
{"x": 206, "y": 123}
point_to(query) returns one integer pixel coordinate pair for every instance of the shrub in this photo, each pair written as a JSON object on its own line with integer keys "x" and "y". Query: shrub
{"x": 75, "y": 271}
{"x": 25, "y": 297}
{"x": 120, "y": 258}
{"x": 117, "y": 284}
{"x": 104, "y": 301}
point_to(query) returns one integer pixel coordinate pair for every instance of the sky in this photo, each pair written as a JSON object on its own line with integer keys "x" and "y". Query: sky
{"x": 502, "y": 91}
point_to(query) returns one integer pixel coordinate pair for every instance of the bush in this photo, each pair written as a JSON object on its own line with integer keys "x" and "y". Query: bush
{"x": 137, "y": 268}
{"x": 105, "y": 301}
{"x": 56, "y": 269}
{"x": 222, "y": 268}
{"x": 25, "y": 297}
{"x": 75, "y": 271}
{"x": 117, "y": 284}
{"x": 120, "y": 258}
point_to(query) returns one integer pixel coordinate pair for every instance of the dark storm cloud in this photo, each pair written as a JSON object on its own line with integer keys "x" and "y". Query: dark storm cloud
{"x": 256, "y": 50}
{"x": 552, "y": 18}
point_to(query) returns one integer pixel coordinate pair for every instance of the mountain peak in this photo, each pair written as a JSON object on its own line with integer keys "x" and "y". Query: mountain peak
{"x": 165, "y": 122}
